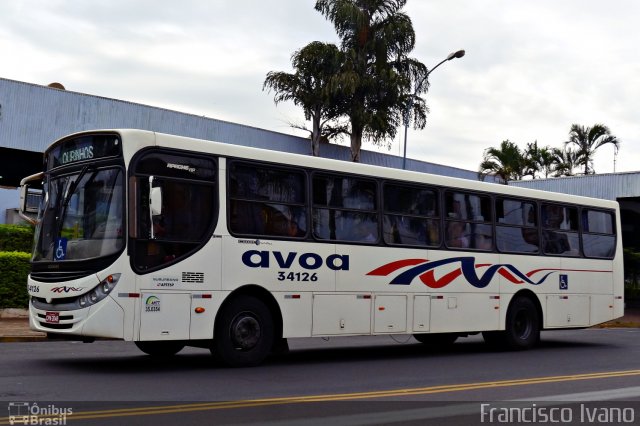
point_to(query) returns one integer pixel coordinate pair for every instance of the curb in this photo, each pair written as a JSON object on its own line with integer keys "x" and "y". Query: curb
{"x": 13, "y": 313}
{"x": 23, "y": 339}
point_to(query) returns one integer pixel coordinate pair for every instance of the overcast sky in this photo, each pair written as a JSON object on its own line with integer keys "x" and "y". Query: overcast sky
{"x": 532, "y": 68}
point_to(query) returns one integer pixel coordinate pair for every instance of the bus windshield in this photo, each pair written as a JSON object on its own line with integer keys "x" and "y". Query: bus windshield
{"x": 82, "y": 216}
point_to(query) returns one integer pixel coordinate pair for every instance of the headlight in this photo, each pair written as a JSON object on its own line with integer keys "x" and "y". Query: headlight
{"x": 101, "y": 291}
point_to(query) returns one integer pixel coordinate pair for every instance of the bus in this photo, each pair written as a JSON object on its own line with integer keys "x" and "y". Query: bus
{"x": 170, "y": 241}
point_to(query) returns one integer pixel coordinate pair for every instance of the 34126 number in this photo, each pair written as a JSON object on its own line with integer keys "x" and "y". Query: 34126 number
{"x": 297, "y": 276}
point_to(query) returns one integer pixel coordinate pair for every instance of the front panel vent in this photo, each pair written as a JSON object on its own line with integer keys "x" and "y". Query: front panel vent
{"x": 193, "y": 277}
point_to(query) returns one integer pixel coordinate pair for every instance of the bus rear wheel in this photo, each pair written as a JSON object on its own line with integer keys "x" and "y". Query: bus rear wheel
{"x": 244, "y": 333}
{"x": 522, "y": 328}
{"x": 160, "y": 349}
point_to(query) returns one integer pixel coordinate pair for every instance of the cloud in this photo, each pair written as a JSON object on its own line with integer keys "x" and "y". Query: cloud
{"x": 531, "y": 68}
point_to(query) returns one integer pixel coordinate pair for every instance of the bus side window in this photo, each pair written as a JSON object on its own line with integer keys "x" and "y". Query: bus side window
{"x": 186, "y": 216}
{"x": 516, "y": 226}
{"x": 345, "y": 208}
{"x": 267, "y": 201}
{"x": 411, "y": 215}
{"x": 560, "y": 230}
{"x": 599, "y": 238}
{"x": 468, "y": 221}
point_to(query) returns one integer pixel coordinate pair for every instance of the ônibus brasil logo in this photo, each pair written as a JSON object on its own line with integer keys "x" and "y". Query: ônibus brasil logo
{"x": 425, "y": 270}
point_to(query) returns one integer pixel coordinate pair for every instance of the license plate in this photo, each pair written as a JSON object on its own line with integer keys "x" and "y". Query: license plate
{"x": 52, "y": 317}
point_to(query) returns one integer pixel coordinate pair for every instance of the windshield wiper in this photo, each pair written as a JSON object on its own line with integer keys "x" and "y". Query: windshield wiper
{"x": 70, "y": 191}
{"x": 73, "y": 186}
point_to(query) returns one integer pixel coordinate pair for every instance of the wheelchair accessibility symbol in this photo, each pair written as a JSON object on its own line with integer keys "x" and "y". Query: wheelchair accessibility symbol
{"x": 564, "y": 282}
{"x": 61, "y": 249}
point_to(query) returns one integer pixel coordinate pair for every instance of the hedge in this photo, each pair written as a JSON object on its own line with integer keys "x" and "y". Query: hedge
{"x": 16, "y": 238}
{"x": 14, "y": 269}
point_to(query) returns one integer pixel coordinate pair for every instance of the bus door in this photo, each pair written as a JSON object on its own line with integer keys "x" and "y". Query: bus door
{"x": 174, "y": 209}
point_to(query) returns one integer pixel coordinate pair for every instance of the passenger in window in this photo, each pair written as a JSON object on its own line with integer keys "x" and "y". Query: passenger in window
{"x": 249, "y": 217}
{"x": 395, "y": 233}
{"x": 457, "y": 235}
{"x": 433, "y": 233}
{"x": 366, "y": 232}
{"x": 293, "y": 230}
{"x": 483, "y": 238}
{"x": 456, "y": 212}
{"x": 530, "y": 236}
{"x": 554, "y": 242}
{"x": 553, "y": 216}
{"x": 174, "y": 222}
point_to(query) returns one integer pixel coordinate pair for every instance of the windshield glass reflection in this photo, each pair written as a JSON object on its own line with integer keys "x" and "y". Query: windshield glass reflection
{"x": 82, "y": 216}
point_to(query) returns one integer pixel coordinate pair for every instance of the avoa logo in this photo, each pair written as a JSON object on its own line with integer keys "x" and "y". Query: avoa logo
{"x": 266, "y": 258}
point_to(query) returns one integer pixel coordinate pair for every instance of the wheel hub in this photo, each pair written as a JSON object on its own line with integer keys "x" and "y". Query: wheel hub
{"x": 245, "y": 332}
{"x": 523, "y": 325}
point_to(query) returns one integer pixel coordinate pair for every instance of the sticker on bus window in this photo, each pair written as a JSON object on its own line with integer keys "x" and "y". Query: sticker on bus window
{"x": 564, "y": 282}
{"x": 61, "y": 249}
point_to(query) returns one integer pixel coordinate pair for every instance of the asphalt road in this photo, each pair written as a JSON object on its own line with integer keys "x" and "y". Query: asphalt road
{"x": 363, "y": 380}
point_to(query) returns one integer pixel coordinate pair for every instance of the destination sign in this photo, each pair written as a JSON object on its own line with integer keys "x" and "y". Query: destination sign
{"x": 84, "y": 148}
{"x": 78, "y": 154}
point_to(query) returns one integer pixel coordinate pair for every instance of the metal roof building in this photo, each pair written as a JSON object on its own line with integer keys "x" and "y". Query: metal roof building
{"x": 621, "y": 187}
{"x": 33, "y": 116}
{"x": 609, "y": 186}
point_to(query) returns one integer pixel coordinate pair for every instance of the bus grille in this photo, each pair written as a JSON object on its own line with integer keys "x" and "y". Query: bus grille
{"x": 59, "y": 326}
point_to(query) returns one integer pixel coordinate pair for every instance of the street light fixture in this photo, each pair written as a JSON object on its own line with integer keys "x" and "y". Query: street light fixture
{"x": 452, "y": 55}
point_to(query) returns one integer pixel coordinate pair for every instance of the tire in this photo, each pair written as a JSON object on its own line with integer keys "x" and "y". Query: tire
{"x": 244, "y": 333}
{"x": 437, "y": 340}
{"x": 522, "y": 329}
{"x": 160, "y": 349}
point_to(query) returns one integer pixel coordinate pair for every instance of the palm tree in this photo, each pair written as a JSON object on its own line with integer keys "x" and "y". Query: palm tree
{"x": 310, "y": 87}
{"x": 506, "y": 162}
{"x": 531, "y": 156}
{"x": 546, "y": 160}
{"x": 564, "y": 161}
{"x": 376, "y": 81}
{"x": 588, "y": 140}
{"x": 538, "y": 160}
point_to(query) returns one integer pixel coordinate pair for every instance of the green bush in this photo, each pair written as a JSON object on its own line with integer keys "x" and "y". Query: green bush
{"x": 16, "y": 238}
{"x": 14, "y": 269}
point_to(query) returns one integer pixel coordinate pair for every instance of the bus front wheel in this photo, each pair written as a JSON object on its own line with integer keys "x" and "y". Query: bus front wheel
{"x": 244, "y": 333}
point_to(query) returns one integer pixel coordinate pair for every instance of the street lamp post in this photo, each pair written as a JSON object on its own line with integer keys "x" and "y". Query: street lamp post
{"x": 452, "y": 55}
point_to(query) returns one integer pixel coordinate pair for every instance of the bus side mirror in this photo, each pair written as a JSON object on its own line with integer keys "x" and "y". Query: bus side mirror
{"x": 155, "y": 201}
{"x": 30, "y": 195}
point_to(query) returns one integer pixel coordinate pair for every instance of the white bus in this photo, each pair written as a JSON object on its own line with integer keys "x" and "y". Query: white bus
{"x": 169, "y": 241}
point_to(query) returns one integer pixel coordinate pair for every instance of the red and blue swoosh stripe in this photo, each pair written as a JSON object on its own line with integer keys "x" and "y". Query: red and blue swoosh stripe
{"x": 425, "y": 270}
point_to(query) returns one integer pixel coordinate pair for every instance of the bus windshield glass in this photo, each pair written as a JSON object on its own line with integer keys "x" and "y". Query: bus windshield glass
{"x": 82, "y": 216}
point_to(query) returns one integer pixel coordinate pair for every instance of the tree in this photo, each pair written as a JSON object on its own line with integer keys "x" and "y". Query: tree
{"x": 506, "y": 162}
{"x": 564, "y": 161}
{"x": 588, "y": 140}
{"x": 538, "y": 160}
{"x": 311, "y": 88}
{"x": 377, "y": 76}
